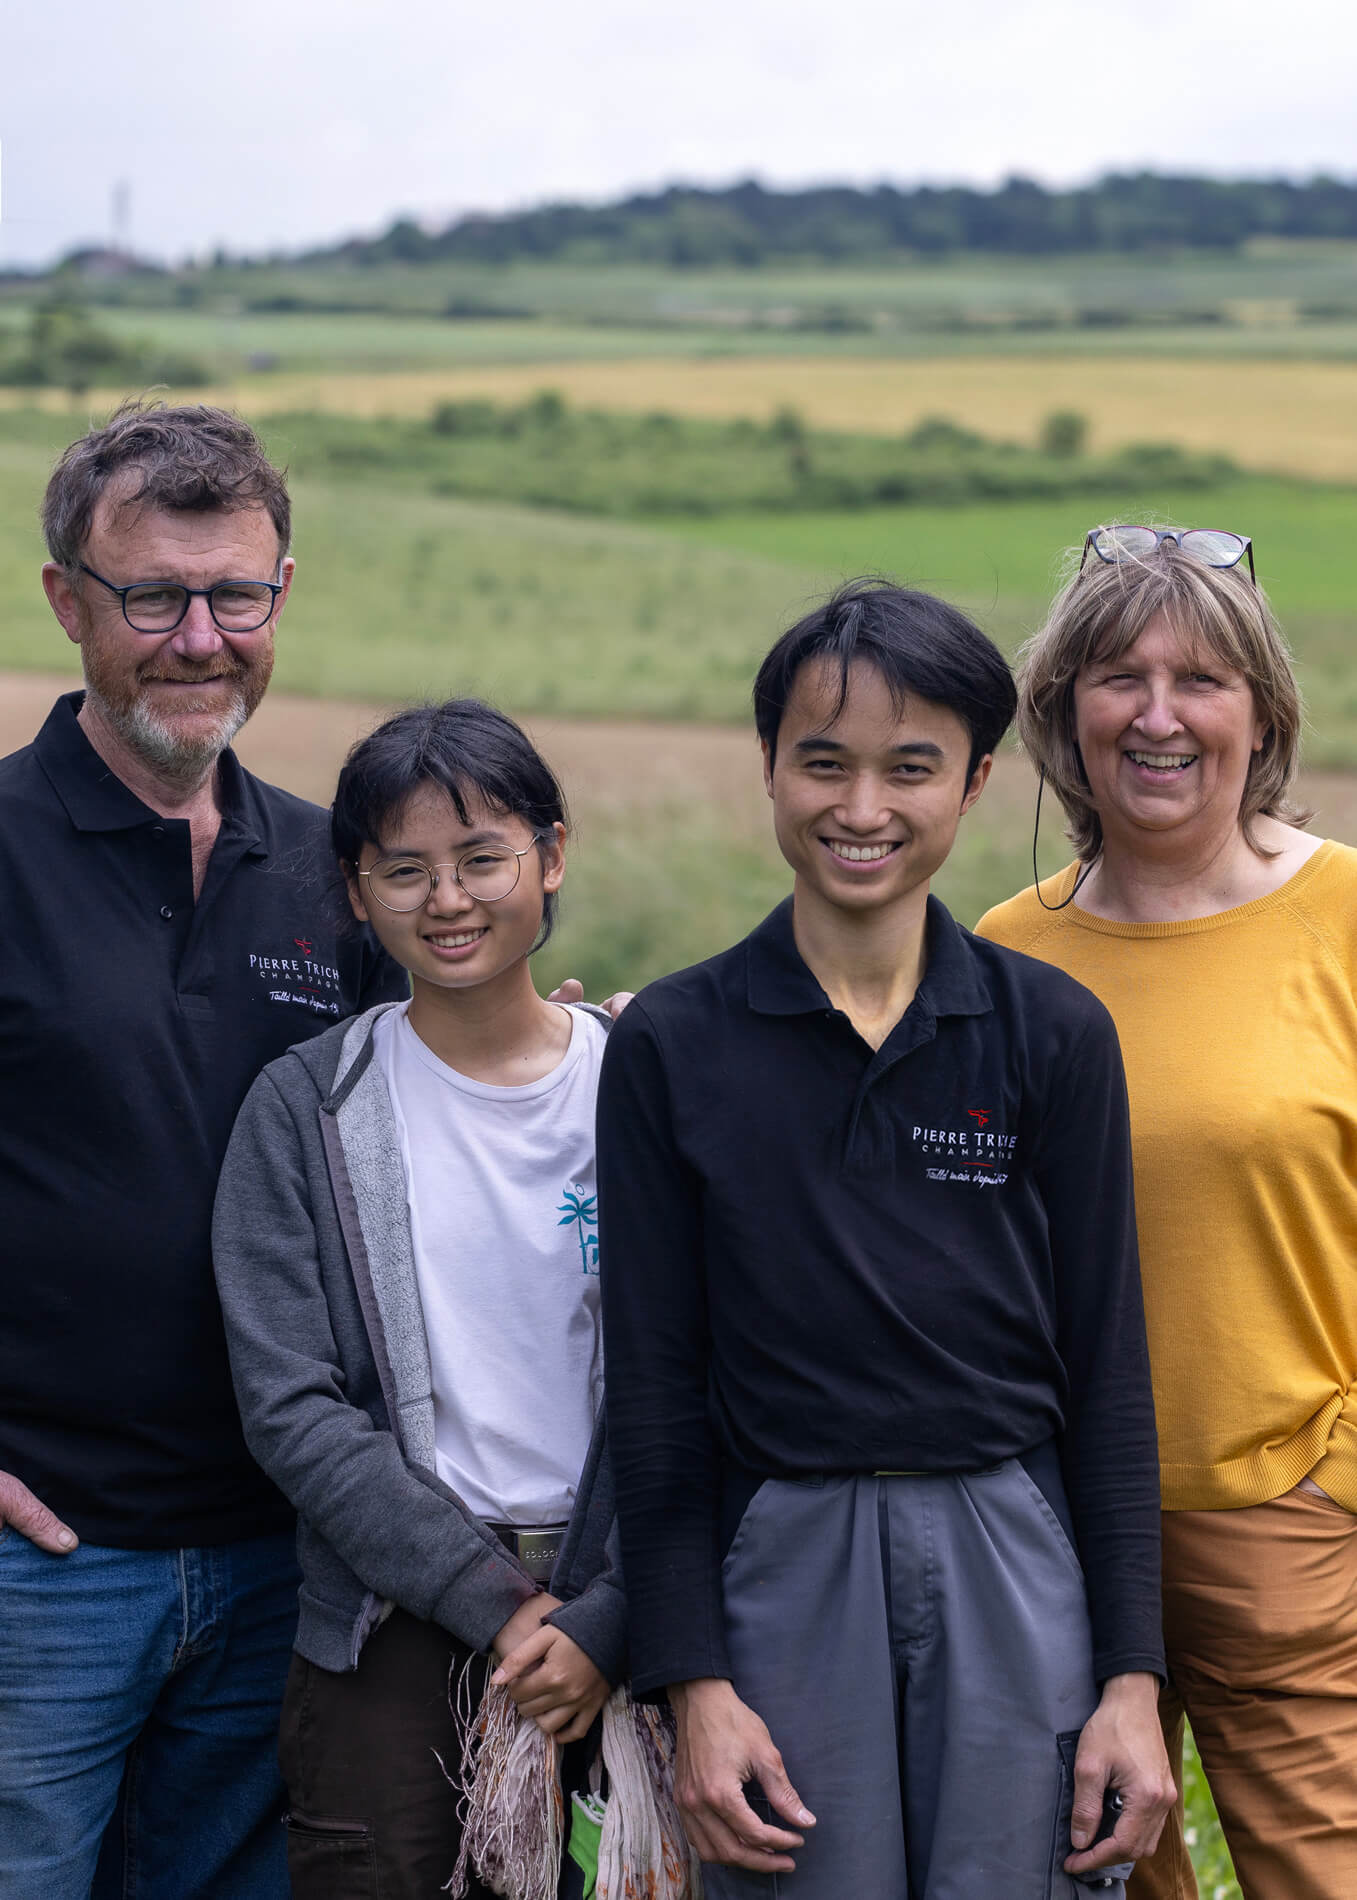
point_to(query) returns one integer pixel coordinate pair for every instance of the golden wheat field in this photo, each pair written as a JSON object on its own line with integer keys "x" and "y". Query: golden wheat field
{"x": 1294, "y": 418}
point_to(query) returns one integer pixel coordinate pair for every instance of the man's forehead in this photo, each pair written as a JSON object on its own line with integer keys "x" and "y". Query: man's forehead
{"x": 121, "y": 516}
{"x": 826, "y": 701}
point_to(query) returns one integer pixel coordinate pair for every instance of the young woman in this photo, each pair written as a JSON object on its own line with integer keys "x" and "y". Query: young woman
{"x": 405, "y": 1249}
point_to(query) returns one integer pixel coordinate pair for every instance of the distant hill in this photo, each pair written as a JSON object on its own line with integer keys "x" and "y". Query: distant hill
{"x": 747, "y": 224}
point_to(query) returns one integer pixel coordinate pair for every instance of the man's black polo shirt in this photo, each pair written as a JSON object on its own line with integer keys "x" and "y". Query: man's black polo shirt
{"x": 821, "y": 1258}
{"x": 132, "y": 1022}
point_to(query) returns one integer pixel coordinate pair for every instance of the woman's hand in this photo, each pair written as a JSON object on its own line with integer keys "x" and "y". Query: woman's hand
{"x": 550, "y": 1677}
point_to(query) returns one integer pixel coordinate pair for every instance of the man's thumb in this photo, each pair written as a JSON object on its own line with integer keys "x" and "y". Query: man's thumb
{"x": 32, "y": 1519}
{"x": 784, "y": 1798}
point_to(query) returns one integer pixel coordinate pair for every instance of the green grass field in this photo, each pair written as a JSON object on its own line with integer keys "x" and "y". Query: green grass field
{"x": 404, "y": 593}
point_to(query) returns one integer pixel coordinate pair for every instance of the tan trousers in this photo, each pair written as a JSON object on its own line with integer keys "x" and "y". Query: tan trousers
{"x": 1260, "y": 1631}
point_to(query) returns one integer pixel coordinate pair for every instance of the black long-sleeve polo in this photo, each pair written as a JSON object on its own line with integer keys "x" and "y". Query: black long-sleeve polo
{"x": 133, "y": 1018}
{"x": 820, "y": 1257}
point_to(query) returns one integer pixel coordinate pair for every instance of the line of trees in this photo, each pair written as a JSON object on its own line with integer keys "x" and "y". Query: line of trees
{"x": 748, "y": 224}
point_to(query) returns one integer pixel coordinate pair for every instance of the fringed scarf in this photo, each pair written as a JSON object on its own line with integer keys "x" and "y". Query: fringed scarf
{"x": 513, "y": 1812}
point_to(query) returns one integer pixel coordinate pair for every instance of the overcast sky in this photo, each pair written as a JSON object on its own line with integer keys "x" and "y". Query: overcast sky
{"x": 261, "y": 123}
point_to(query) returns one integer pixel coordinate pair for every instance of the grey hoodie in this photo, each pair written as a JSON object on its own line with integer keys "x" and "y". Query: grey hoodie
{"x": 315, "y": 1267}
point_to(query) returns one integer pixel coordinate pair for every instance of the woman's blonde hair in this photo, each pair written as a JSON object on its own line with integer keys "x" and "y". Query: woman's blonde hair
{"x": 1104, "y": 610}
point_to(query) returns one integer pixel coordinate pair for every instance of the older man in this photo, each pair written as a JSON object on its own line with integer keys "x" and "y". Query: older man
{"x": 167, "y": 932}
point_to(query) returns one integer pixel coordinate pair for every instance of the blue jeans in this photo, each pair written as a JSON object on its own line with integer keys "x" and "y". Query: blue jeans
{"x": 139, "y": 1701}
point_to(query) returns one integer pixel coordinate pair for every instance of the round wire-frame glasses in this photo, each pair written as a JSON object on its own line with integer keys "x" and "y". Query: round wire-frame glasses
{"x": 487, "y": 874}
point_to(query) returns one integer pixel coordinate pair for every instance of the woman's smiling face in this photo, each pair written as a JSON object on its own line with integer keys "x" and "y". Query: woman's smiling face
{"x": 452, "y": 941}
{"x": 1167, "y": 733}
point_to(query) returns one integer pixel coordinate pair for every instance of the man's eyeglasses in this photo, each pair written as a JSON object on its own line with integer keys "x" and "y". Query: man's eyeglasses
{"x": 1213, "y": 547}
{"x": 158, "y": 606}
{"x": 487, "y": 874}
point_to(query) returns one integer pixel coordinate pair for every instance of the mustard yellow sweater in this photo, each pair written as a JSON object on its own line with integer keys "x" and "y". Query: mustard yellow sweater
{"x": 1239, "y": 1033}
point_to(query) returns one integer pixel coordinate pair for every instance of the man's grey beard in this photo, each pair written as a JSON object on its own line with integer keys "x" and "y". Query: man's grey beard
{"x": 157, "y": 744}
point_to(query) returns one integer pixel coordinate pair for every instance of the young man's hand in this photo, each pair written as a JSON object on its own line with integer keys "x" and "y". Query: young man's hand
{"x": 722, "y": 1745}
{"x": 1122, "y": 1747}
{"x": 549, "y": 1676}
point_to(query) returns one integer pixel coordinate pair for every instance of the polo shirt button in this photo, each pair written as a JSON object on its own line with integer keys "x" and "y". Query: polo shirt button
{"x": 157, "y": 831}
{"x": 166, "y": 912}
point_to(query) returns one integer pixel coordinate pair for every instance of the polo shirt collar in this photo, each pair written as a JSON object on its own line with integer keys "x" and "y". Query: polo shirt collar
{"x": 95, "y": 797}
{"x": 780, "y": 983}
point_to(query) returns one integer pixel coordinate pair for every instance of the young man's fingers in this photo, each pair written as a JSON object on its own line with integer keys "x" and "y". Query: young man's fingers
{"x": 1135, "y": 1837}
{"x": 746, "y": 1825}
{"x": 782, "y": 1797}
{"x": 570, "y": 991}
{"x": 29, "y": 1516}
{"x": 1090, "y": 1788}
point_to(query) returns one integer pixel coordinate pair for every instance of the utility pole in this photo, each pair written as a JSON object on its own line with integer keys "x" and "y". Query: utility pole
{"x": 122, "y": 218}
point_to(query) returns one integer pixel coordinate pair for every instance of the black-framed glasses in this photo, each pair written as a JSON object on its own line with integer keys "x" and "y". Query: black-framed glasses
{"x": 488, "y": 873}
{"x": 1213, "y": 547}
{"x": 159, "y": 606}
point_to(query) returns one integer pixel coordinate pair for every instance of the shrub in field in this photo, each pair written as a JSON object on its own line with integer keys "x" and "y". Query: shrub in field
{"x": 1064, "y": 432}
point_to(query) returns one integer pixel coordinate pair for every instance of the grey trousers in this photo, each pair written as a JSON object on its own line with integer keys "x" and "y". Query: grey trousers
{"x": 919, "y": 1648}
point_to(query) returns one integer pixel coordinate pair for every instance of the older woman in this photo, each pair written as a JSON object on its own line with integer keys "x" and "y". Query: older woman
{"x": 1159, "y": 702}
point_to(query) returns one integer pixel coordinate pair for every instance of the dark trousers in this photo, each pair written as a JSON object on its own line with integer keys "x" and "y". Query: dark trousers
{"x": 371, "y": 1811}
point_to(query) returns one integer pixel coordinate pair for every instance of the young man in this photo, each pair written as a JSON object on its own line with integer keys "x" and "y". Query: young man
{"x": 878, "y": 1396}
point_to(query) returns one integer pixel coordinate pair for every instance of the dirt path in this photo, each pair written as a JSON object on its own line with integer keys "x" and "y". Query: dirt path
{"x": 607, "y": 766}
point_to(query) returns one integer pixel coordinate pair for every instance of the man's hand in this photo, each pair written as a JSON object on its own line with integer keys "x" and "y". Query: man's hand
{"x": 572, "y": 991}
{"x": 1122, "y": 1747}
{"x": 722, "y": 1745}
{"x": 32, "y": 1519}
{"x": 552, "y": 1680}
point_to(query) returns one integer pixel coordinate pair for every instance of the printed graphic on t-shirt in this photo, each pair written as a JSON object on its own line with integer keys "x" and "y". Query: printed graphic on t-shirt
{"x": 978, "y": 1156}
{"x": 579, "y": 1210}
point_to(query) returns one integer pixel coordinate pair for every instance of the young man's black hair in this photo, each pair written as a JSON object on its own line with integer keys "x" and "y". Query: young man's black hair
{"x": 919, "y": 644}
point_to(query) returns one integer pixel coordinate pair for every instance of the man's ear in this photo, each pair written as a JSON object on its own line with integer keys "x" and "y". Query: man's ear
{"x": 978, "y": 781}
{"x": 287, "y": 567}
{"x": 767, "y": 752}
{"x": 65, "y": 600}
{"x": 354, "y": 888}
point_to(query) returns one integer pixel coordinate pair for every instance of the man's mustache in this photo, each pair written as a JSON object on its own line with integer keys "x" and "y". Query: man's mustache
{"x": 234, "y": 672}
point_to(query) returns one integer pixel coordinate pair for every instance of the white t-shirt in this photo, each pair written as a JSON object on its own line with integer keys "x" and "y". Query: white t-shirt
{"x": 504, "y": 1219}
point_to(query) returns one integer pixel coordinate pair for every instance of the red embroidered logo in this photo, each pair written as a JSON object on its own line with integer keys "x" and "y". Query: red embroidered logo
{"x": 304, "y": 944}
{"x": 980, "y": 1116}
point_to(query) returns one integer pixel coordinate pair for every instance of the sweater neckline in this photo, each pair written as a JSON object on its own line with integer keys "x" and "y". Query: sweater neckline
{"x": 1194, "y": 926}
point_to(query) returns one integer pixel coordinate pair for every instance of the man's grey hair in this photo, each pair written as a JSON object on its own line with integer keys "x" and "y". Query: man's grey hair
{"x": 192, "y": 458}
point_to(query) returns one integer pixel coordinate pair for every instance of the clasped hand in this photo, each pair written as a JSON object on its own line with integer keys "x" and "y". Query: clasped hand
{"x": 547, "y": 1673}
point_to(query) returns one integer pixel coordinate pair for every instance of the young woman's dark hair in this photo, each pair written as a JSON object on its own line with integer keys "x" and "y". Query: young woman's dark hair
{"x": 464, "y": 748}
{"x": 918, "y": 644}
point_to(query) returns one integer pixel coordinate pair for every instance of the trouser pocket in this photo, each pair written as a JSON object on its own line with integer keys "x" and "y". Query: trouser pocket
{"x": 329, "y": 1858}
{"x": 1110, "y": 1881}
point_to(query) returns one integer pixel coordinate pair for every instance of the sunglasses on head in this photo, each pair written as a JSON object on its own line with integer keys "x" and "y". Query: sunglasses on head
{"x": 1213, "y": 547}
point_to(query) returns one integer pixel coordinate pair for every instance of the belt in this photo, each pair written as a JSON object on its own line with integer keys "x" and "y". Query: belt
{"x": 536, "y": 1546}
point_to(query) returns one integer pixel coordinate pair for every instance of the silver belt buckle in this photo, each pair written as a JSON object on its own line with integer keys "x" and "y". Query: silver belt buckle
{"x": 536, "y": 1550}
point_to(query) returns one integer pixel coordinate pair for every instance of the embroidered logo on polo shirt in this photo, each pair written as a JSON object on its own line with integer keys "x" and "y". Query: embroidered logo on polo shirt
{"x": 305, "y": 981}
{"x": 975, "y": 1157}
